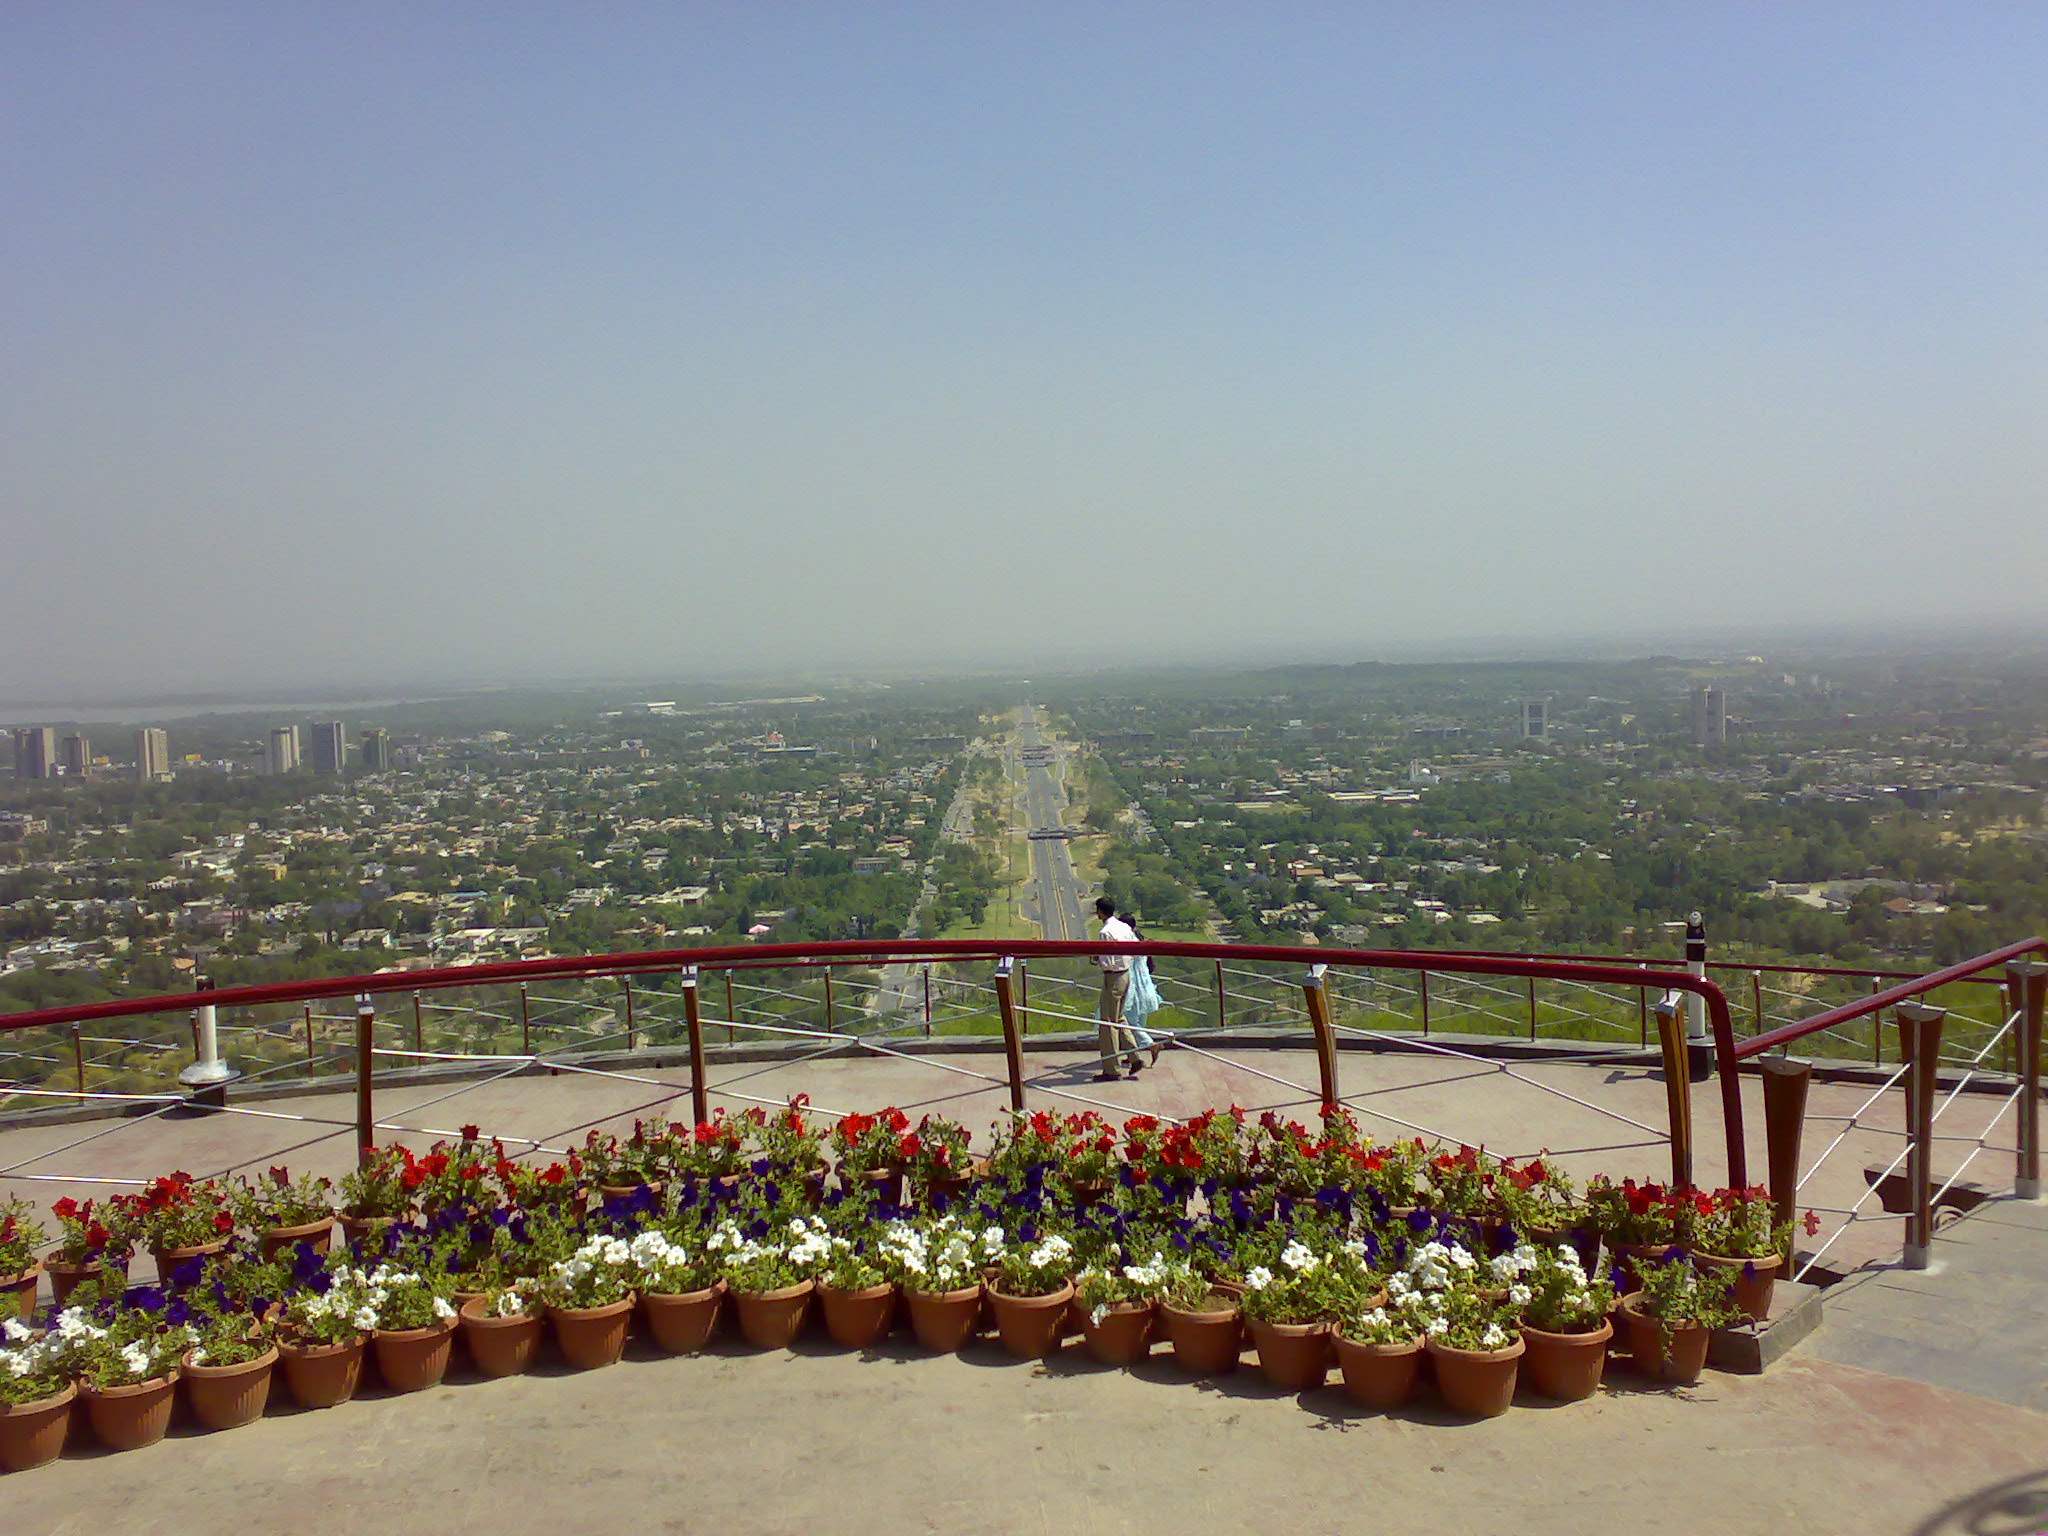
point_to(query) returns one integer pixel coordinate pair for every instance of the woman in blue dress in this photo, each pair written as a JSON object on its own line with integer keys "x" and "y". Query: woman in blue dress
{"x": 1140, "y": 1003}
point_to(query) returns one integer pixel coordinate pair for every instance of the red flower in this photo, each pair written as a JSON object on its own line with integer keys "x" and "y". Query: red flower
{"x": 223, "y": 1222}
{"x": 65, "y": 1209}
{"x": 1811, "y": 1223}
{"x": 280, "y": 1176}
{"x": 471, "y": 1132}
{"x": 554, "y": 1173}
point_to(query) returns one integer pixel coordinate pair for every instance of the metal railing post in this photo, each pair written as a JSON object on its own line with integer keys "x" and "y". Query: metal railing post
{"x": 732, "y": 1017}
{"x": 1222, "y": 1018}
{"x": 1642, "y": 1012}
{"x": 419, "y": 1026}
{"x": 1024, "y": 996}
{"x": 1671, "y": 1037}
{"x": 1422, "y": 983}
{"x": 78, "y": 1055}
{"x": 366, "y": 1117}
{"x": 693, "y": 1021}
{"x": 1784, "y": 1082}
{"x": 632, "y": 1033}
{"x": 2028, "y": 980}
{"x": 1013, "y": 1044}
{"x": 1920, "y": 1050}
{"x": 525, "y": 1022}
{"x": 1756, "y": 1001}
{"x": 831, "y": 1009}
{"x": 927, "y": 999}
{"x": 1532, "y": 1007}
{"x": 309, "y": 1034}
{"x": 1876, "y": 1027}
{"x": 1318, "y": 1004}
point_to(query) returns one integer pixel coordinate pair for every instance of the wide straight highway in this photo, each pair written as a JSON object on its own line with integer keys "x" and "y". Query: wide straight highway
{"x": 1056, "y": 889}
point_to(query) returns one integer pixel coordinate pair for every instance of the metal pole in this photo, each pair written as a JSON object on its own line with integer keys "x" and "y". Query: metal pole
{"x": 2029, "y": 982}
{"x": 1221, "y": 1019}
{"x": 1318, "y": 1004}
{"x": 1423, "y": 983}
{"x": 1670, "y": 1011}
{"x": 525, "y": 1022}
{"x": 831, "y": 1013}
{"x": 927, "y": 999}
{"x": 1876, "y": 1028}
{"x": 1024, "y": 996}
{"x": 1920, "y": 1049}
{"x": 731, "y": 1015}
{"x": 1642, "y": 1013}
{"x": 1013, "y": 1043}
{"x": 366, "y": 1119}
{"x": 700, "y": 1095}
{"x": 419, "y": 1026}
{"x": 632, "y": 1035}
{"x": 1756, "y": 1000}
{"x": 207, "y": 1070}
{"x": 78, "y": 1054}
{"x": 309, "y": 1034}
{"x": 1696, "y": 962}
{"x": 1532, "y": 1007}
{"x": 1785, "y": 1082}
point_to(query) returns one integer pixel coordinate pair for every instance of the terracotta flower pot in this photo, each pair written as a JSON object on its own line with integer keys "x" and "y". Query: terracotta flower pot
{"x": 367, "y": 1230}
{"x": 413, "y": 1359}
{"x": 1632, "y": 1258}
{"x": 33, "y": 1434}
{"x": 128, "y": 1418}
{"x": 318, "y": 1235}
{"x": 321, "y": 1375}
{"x": 944, "y": 1320}
{"x": 814, "y": 1183}
{"x": 228, "y": 1396}
{"x": 168, "y": 1259}
{"x": 1123, "y": 1336}
{"x": 66, "y": 1278}
{"x": 627, "y": 1191}
{"x": 589, "y": 1337}
{"x": 772, "y": 1319}
{"x": 1208, "y": 1340}
{"x": 1755, "y": 1280}
{"x": 1087, "y": 1191}
{"x": 1565, "y": 1366}
{"x": 1295, "y": 1357}
{"x": 18, "y": 1292}
{"x": 683, "y": 1324}
{"x": 942, "y": 1192}
{"x": 1479, "y": 1383}
{"x": 858, "y": 1319}
{"x": 1681, "y": 1363}
{"x": 1382, "y": 1376}
{"x": 498, "y": 1346}
{"x": 1030, "y": 1326}
{"x": 885, "y": 1184}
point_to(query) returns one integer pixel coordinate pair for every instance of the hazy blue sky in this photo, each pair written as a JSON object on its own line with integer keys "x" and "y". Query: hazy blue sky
{"x": 379, "y": 341}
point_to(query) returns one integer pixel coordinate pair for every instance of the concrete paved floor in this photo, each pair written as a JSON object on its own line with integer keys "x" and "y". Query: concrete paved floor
{"x": 820, "y": 1442}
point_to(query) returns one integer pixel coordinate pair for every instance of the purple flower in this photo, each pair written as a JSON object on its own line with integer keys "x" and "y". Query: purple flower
{"x": 144, "y": 1298}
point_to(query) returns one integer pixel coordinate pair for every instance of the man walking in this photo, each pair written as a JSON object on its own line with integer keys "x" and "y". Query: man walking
{"x": 1111, "y": 1036}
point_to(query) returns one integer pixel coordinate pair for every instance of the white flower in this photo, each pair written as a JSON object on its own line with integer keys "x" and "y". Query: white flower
{"x": 442, "y": 1309}
{"x": 1494, "y": 1338}
{"x": 1520, "y": 1295}
{"x": 1258, "y": 1278}
{"x": 1298, "y": 1257}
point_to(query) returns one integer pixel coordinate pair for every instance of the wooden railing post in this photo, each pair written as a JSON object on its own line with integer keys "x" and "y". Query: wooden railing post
{"x": 1318, "y": 1003}
{"x": 366, "y": 1067}
{"x": 1013, "y": 1044}
{"x": 2028, "y": 982}
{"x": 1671, "y": 1037}
{"x": 1785, "y": 1082}
{"x": 1920, "y": 1050}
{"x": 693, "y": 1021}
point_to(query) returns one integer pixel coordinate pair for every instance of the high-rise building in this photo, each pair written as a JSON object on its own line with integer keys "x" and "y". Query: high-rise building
{"x": 330, "y": 746}
{"x": 152, "y": 754}
{"x": 77, "y": 756}
{"x": 1709, "y": 717}
{"x": 281, "y": 754}
{"x": 1535, "y": 720}
{"x": 35, "y": 752}
{"x": 376, "y": 750}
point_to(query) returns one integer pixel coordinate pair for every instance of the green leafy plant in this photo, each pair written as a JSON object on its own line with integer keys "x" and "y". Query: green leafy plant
{"x": 1560, "y": 1296}
{"x": 21, "y": 1234}
{"x": 278, "y": 1200}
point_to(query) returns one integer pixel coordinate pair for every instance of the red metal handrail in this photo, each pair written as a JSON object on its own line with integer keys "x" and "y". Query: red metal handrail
{"x": 1877, "y": 1002}
{"x": 887, "y": 951}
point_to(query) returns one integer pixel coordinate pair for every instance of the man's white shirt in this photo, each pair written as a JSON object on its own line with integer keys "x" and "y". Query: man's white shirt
{"x": 1116, "y": 931}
